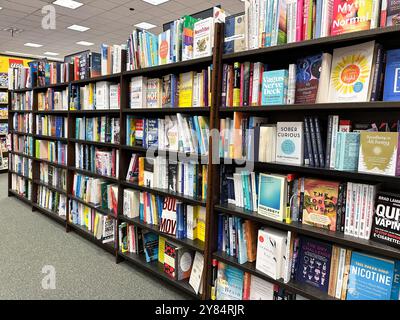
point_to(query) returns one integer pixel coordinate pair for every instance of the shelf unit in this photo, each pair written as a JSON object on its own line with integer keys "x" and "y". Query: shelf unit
{"x": 275, "y": 56}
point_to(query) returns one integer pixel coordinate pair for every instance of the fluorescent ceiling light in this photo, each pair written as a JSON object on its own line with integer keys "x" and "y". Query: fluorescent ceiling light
{"x": 155, "y": 2}
{"x": 71, "y": 4}
{"x": 145, "y": 25}
{"x": 85, "y": 43}
{"x": 76, "y": 27}
{"x": 33, "y": 45}
{"x": 49, "y": 53}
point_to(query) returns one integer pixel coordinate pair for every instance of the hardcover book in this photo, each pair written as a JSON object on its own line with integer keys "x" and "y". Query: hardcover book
{"x": 308, "y": 71}
{"x": 370, "y": 278}
{"x": 229, "y": 282}
{"x": 378, "y": 152}
{"x": 168, "y": 216}
{"x": 177, "y": 261}
{"x": 350, "y": 16}
{"x": 164, "y": 47}
{"x": 274, "y": 87}
{"x": 392, "y": 76}
{"x": 289, "y": 142}
{"x": 320, "y": 203}
{"x": 347, "y": 151}
{"x": 272, "y": 196}
{"x": 138, "y": 95}
{"x": 150, "y": 244}
{"x": 186, "y": 89}
{"x": 351, "y": 73}
{"x": 153, "y": 93}
{"x": 314, "y": 263}
{"x": 234, "y": 34}
{"x": 390, "y": 13}
{"x": 187, "y": 37}
{"x": 203, "y": 38}
{"x": 386, "y": 220}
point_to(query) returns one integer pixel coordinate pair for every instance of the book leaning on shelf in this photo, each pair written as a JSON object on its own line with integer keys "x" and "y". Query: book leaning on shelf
{"x": 101, "y": 226}
{"x": 174, "y": 133}
{"x": 97, "y": 192}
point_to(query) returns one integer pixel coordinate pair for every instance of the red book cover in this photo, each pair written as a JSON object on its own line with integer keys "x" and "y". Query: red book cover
{"x": 246, "y": 286}
{"x": 76, "y": 68}
{"x": 170, "y": 260}
{"x": 230, "y": 85}
{"x": 299, "y": 21}
{"x": 241, "y": 83}
{"x": 251, "y": 82}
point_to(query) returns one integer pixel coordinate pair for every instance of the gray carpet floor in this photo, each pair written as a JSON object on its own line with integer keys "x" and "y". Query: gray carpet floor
{"x": 30, "y": 241}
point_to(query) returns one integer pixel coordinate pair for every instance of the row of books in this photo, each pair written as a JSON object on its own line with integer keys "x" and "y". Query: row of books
{"x": 174, "y": 133}
{"x": 96, "y": 192}
{"x": 98, "y": 129}
{"x": 98, "y": 160}
{"x": 172, "y": 217}
{"x": 22, "y": 101}
{"x": 101, "y": 226}
{"x": 52, "y": 176}
{"x": 185, "y": 39}
{"x": 186, "y": 178}
{"x": 269, "y": 23}
{"x": 53, "y": 100}
{"x": 112, "y": 58}
{"x": 22, "y": 144}
{"x": 52, "y": 200}
{"x": 23, "y": 122}
{"x": 53, "y": 151}
{"x": 21, "y": 186}
{"x": 178, "y": 262}
{"x": 233, "y": 284}
{"x": 189, "y": 89}
{"x": 54, "y": 126}
{"x": 21, "y": 165}
{"x": 94, "y": 96}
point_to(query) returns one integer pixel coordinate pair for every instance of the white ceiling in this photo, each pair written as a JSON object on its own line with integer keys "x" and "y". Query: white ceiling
{"x": 110, "y": 21}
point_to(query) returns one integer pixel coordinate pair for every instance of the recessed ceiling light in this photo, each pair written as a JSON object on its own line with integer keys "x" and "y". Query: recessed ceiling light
{"x": 33, "y": 45}
{"x": 155, "y": 2}
{"x": 145, "y": 25}
{"x": 76, "y": 27}
{"x": 85, "y": 43}
{"x": 49, "y": 53}
{"x": 71, "y": 4}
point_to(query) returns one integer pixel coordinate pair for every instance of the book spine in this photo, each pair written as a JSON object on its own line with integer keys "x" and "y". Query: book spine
{"x": 329, "y": 143}
{"x": 299, "y": 20}
{"x": 224, "y": 85}
{"x": 335, "y": 127}
{"x": 321, "y": 155}
{"x": 383, "y": 13}
{"x": 313, "y": 142}
{"x": 375, "y": 92}
{"x": 308, "y": 141}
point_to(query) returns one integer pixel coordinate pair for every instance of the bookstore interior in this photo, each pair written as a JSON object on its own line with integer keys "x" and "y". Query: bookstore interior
{"x": 201, "y": 150}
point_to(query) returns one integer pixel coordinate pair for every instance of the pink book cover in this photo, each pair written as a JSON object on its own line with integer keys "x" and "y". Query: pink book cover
{"x": 299, "y": 20}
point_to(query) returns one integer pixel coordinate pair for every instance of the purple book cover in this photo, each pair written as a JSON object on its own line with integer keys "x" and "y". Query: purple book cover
{"x": 314, "y": 263}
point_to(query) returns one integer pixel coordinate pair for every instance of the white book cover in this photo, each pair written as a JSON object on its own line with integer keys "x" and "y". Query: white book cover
{"x": 335, "y": 129}
{"x": 351, "y": 73}
{"x": 357, "y": 208}
{"x": 267, "y": 139}
{"x": 291, "y": 84}
{"x": 196, "y": 274}
{"x": 270, "y": 252}
{"x": 324, "y": 79}
{"x": 191, "y": 222}
{"x": 340, "y": 273}
{"x": 256, "y": 84}
{"x": 138, "y": 87}
{"x": 114, "y": 96}
{"x": 261, "y": 289}
{"x": 171, "y": 129}
{"x": 102, "y": 95}
{"x": 203, "y": 38}
{"x": 363, "y": 211}
{"x": 289, "y": 143}
{"x": 370, "y": 210}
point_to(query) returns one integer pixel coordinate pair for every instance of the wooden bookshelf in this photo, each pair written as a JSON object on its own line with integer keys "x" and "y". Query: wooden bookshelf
{"x": 278, "y": 55}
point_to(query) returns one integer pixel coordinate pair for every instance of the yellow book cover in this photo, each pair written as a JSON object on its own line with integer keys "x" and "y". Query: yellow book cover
{"x": 378, "y": 152}
{"x": 154, "y": 209}
{"x": 96, "y": 224}
{"x": 186, "y": 89}
{"x": 204, "y": 182}
{"x": 91, "y": 95}
{"x": 161, "y": 248}
{"x": 201, "y": 223}
{"x": 86, "y": 213}
{"x": 131, "y": 132}
{"x": 45, "y": 126}
{"x": 141, "y": 171}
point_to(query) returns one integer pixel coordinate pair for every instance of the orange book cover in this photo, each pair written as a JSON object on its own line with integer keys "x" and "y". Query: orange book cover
{"x": 141, "y": 171}
{"x": 320, "y": 203}
{"x": 251, "y": 240}
{"x": 237, "y": 135}
{"x": 246, "y": 286}
{"x": 351, "y": 15}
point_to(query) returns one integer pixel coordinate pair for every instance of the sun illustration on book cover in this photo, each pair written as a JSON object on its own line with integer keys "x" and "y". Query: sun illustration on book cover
{"x": 350, "y": 74}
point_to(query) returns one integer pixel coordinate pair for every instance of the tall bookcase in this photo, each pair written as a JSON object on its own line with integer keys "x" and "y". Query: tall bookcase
{"x": 278, "y": 56}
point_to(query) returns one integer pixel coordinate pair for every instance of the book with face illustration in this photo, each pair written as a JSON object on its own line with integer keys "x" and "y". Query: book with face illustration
{"x": 271, "y": 246}
{"x": 314, "y": 263}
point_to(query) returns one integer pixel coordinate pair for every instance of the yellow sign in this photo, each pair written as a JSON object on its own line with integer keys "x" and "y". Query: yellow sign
{"x": 7, "y": 62}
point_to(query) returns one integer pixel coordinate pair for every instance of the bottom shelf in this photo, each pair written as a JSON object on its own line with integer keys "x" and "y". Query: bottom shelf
{"x": 19, "y": 197}
{"x": 49, "y": 213}
{"x": 157, "y": 269}
{"x": 89, "y": 236}
{"x": 304, "y": 290}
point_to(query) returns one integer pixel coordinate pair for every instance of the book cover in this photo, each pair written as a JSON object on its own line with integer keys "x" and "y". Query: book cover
{"x": 153, "y": 93}
{"x": 150, "y": 244}
{"x": 164, "y": 47}
{"x": 186, "y": 89}
{"x": 289, "y": 142}
{"x": 187, "y": 37}
{"x": 229, "y": 282}
{"x": 308, "y": 71}
{"x": 378, "y": 152}
{"x": 166, "y": 95}
{"x": 370, "y": 278}
{"x": 203, "y": 38}
{"x": 392, "y": 76}
{"x": 386, "y": 220}
{"x": 138, "y": 87}
{"x": 272, "y": 196}
{"x": 351, "y": 73}
{"x": 261, "y": 289}
{"x": 234, "y": 34}
{"x": 314, "y": 263}
{"x": 320, "y": 203}
{"x": 347, "y": 151}
{"x": 351, "y": 15}
{"x": 168, "y": 216}
{"x": 274, "y": 87}
{"x": 392, "y": 13}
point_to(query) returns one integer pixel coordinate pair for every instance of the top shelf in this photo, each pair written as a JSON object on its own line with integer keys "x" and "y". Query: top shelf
{"x": 386, "y": 34}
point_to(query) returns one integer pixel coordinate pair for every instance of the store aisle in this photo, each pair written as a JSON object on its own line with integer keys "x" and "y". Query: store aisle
{"x": 30, "y": 241}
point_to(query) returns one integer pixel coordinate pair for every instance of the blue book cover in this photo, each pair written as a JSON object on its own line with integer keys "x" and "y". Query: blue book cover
{"x": 220, "y": 231}
{"x": 314, "y": 263}
{"x": 242, "y": 250}
{"x": 150, "y": 244}
{"x": 392, "y": 76}
{"x": 274, "y": 87}
{"x": 229, "y": 35}
{"x": 395, "y": 294}
{"x": 318, "y": 19}
{"x": 180, "y": 229}
{"x": 229, "y": 282}
{"x": 347, "y": 151}
{"x": 152, "y": 133}
{"x": 370, "y": 278}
